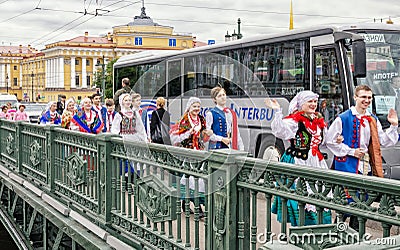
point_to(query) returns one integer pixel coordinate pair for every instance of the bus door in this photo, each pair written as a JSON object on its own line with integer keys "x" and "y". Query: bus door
{"x": 327, "y": 83}
{"x": 175, "y": 73}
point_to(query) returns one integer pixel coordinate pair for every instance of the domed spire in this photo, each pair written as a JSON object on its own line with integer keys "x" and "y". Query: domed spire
{"x": 143, "y": 19}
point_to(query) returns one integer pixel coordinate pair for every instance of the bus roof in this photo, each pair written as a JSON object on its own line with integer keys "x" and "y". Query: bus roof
{"x": 159, "y": 55}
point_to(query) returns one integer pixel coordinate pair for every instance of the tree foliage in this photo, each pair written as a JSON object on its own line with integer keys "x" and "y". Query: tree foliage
{"x": 108, "y": 75}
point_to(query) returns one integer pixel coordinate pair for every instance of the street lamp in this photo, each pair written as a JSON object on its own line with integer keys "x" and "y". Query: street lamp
{"x": 7, "y": 82}
{"x": 103, "y": 80}
{"x": 32, "y": 75}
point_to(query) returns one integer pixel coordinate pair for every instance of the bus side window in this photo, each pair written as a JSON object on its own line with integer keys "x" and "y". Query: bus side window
{"x": 327, "y": 83}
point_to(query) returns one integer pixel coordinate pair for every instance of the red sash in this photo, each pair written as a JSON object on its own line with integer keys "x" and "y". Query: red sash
{"x": 234, "y": 128}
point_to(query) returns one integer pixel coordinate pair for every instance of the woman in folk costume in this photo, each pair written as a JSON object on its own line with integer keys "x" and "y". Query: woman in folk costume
{"x": 50, "y": 116}
{"x": 190, "y": 133}
{"x": 68, "y": 113}
{"x": 129, "y": 125}
{"x": 304, "y": 128}
{"x": 85, "y": 119}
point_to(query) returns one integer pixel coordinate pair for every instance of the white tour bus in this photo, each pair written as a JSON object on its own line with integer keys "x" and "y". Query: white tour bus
{"x": 328, "y": 60}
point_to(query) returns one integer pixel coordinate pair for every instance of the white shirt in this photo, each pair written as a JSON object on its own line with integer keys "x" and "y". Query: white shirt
{"x": 228, "y": 117}
{"x": 286, "y": 129}
{"x": 140, "y": 134}
{"x": 387, "y": 139}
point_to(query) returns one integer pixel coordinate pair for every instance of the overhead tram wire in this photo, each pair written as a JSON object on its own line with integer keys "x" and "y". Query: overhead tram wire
{"x": 38, "y": 39}
{"x": 205, "y": 22}
{"x": 253, "y": 11}
{"x": 4, "y": 1}
{"x": 24, "y": 13}
{"x": 79, "y": 12}
{"x": 67, "y": 29}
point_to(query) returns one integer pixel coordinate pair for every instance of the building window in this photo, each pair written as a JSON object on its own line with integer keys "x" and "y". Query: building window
{"x": 172, "y": 43}
{"x": 15, "y": 67}
{"x": 138, "y": 41}
{"x": 77, "y": 81}
{"x": 76, "y": 61}
{"x": 87, "y": 62}
{"x": 15, "y": 81}
{"x": 88, "y": 80}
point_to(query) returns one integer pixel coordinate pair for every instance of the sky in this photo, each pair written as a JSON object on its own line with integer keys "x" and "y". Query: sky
{"x": 41, "y": 22}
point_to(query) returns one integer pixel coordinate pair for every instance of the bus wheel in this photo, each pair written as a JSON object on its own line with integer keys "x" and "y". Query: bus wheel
{"x": 271, "y": 151}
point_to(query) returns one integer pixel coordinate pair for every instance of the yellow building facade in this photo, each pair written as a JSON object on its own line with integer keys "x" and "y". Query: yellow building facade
{"x": 70, "y": 67}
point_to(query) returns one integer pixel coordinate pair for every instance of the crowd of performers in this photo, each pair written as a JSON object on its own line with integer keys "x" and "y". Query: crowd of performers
{"x": 353, "y": 135}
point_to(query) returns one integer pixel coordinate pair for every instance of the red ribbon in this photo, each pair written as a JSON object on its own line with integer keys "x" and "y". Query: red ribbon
{"x": 315, "y": 152}
{"x": 364, "y": 117}
{"x": 234, "y": 128}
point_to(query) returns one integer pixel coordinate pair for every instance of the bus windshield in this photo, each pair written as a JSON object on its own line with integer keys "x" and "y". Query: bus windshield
{"x": 383, "y": 71}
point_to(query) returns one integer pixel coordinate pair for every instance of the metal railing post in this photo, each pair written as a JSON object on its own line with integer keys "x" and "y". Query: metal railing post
{"x": 50, "y": 155}
{"x": 223, "y": 205}
{"x": 104, "y": 175}
{"x": 18, "y": 146}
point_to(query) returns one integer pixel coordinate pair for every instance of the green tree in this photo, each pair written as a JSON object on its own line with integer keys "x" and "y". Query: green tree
{"x": 108, "y": 74}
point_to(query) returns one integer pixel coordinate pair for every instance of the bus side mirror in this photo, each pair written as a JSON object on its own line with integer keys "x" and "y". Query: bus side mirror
{"x": 359, "y": 58}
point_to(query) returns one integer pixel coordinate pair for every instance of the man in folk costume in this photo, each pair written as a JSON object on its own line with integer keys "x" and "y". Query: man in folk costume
{"x": 110, "y": 113}
{"x": 360, "y": 152}
{"x": 50, "y": 116}
{"x": 223, "y": 122}
{"x": 100, "y": 109}
{"x": 136, "y": 102}
{"x": 86, "y": 120}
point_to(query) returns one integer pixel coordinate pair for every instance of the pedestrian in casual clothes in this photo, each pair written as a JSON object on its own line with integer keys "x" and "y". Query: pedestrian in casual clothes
{"x": 3, "y": 113}
{"x": 21, "y": 115}
{"x": 61, "y": 104}
{"x": 126, "y": 89}
{"x": 160, "y": 124}
{"x": 10, "y": 111}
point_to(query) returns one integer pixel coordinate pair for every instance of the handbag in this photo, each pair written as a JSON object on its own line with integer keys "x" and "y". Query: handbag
{"x": 157, "y": 135}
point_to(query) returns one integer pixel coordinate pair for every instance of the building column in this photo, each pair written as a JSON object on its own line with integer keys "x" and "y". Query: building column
{"x": 20, "y": 75}
{"x": 51, "y": 73}
{"x": 73, "y": 83}
{"x": 61, "y": 70}
{"x": 84, "y": 82}
{"x": 47, "y": 74}
{"x": 94, "y": 69}
{"x": 3, "y": 75}
{"x": 10, "y": 79}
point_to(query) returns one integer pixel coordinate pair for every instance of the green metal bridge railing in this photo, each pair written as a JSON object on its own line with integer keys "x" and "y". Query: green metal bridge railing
{"x": 91, "y": 177}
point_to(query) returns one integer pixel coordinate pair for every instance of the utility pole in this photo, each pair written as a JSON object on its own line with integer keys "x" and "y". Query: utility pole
{"x": 103, "y": 79}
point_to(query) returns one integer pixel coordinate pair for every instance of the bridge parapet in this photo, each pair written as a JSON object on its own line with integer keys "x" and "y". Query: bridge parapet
{"x": 131, "y": 192}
